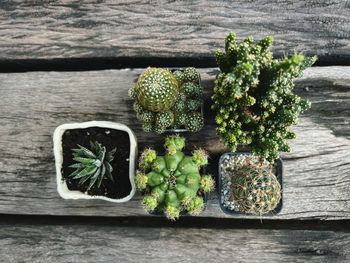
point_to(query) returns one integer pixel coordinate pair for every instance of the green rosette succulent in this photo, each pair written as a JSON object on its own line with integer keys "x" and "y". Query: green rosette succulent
{"x": 254, "y": 97}
{"x": 165, "y": 100}
{"x": 92, "y": 165}
{"x": 255, "y": 189}
{"x": 173, "y": 182}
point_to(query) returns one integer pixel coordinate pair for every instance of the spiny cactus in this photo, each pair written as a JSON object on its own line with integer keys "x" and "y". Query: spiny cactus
{"x": 164, "y": 119}
{"x": 254, "y": 96}
{"x": 255, "y": 189}
{"x": 194, "y": 122}
{"x": 92, "y": 164}
{"x": 156, "y": 89}
{"x": 173, "y": 182}
{"x": 191, "y": 75}
{"x": 159, "y": 105}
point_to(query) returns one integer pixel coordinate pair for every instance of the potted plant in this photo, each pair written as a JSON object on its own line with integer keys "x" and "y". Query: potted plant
{"x": 254, "y": 97}
{"x": 95, "y": 160}
{"x": 172, "y": 183}
{"x": 255, "y": 105}
{"x": 167, "y": 99}
{"x": 249, "y": 184}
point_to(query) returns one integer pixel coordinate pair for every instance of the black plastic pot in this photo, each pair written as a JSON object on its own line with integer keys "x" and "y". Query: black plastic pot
{"x": 279, "y": 174}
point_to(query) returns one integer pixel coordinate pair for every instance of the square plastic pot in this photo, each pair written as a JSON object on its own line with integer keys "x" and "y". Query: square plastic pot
{"x": 279, "y": 174}
{"x": 62, "y": 188}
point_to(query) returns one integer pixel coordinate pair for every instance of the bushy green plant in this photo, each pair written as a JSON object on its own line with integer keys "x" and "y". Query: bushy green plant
{"x": 173, "y": 182}
{"x": 165, "y": 99}
{"x": 92, "y": 164}
{"x": 255, "y": 189}
{"x": 254, "y": 97}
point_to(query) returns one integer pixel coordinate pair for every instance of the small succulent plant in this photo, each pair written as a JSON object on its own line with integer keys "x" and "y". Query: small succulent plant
{"x": 165, "y": 99}
{"x": 92, "y": 164}
{"x": 255, "y": 189}
{"x": 173, "y": 182}
{"x": 254, "y": 97}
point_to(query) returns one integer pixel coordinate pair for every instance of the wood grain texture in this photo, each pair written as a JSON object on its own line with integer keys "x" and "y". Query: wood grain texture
{"x": 33, "y": 104}
{"x": 79, "y": 243}
{"x": 107, "y": 28}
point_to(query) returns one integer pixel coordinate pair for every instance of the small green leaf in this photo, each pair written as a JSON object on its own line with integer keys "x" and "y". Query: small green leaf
{"x": 103, "y": 170}
{"x": 100, "y": 178}
{"x": 84, "y": 179}
{"x": 77, "y": 165}
{"x": 98, "y": 147}
{"x": 87, "y": 152}
{"x": 94, "y": 178}
{"x": 102, "y": 154}
{"x": 85, "y": 172}
{"x": 109, "y": 170}
{"x": 74, "y": 173}
{"x": 84, "y": 160}
{"x": 110, "y": 155}
{"x": 93, "y": 147}
{"x": 77, "y": 151}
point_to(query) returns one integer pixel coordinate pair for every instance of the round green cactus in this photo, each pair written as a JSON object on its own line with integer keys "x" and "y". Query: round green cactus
{"x": 194, "y": 121}
{"x": 179, "y": 76}
{"x": 189, "y": 89}
{"x": 193, "y": 105}
{"x": 173, "y": 182}
{"x": 147, "y": 116}
{"x": 180, "y": 119}
{"x": 179, "y": 106}
{"x": 157, "y": 89}
{"x": 191, "y": 75}
{"x": 138, "y": 108}
{"x": 255, "y": 189}
{"x": 147, "y": 126}
{"x": 164, "y": 119}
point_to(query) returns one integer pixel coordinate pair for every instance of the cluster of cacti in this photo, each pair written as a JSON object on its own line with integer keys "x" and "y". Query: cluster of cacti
{"x": 173, "y": 182}
{"x": 254, "y": 96}
{"x": 92, "y": 164}
{"x": 255, "y": 189}
{"x": 165, "y": 99}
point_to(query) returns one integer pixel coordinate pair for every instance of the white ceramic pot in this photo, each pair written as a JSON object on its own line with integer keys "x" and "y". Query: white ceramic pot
{"x": 58, "y": 152}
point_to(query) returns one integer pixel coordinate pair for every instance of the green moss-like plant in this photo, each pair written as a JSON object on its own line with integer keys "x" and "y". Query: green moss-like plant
{"x": 254, "y": 97}
{"x": 165, "y": 99}
{"x": 173, "y": 182}
{"x": 92, "y": 164}
{"x": 255, "y": 189}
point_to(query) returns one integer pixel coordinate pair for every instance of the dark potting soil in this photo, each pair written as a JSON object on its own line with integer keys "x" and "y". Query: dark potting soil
{"x": 110, "y": 139}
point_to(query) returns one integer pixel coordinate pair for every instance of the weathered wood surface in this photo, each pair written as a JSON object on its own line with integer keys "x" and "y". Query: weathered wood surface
{"x": 107, "y": 28}
{"x": 33, "y": 104}
{"x": 81, "y": 243}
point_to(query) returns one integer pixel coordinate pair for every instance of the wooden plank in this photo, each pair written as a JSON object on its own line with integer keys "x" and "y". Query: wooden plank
{"x": 85, "y": 243}
{"x": 33, "y": 104}
{"x": 90, "y": 29}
